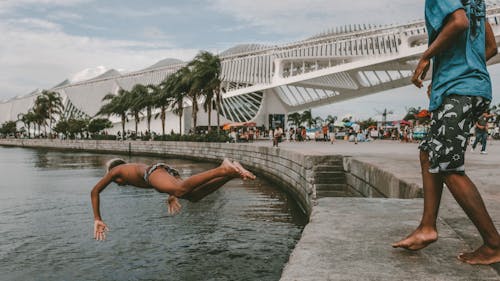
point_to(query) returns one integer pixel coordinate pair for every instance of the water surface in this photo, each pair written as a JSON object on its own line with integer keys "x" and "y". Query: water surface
{"x": 243, "y": 231}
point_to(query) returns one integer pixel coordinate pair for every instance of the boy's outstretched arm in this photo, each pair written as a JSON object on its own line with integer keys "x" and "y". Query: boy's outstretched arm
{"x": 100, "y": 227}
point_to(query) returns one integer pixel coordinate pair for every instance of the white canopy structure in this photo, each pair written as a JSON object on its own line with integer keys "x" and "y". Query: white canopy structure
{"x": 259, "y": 80}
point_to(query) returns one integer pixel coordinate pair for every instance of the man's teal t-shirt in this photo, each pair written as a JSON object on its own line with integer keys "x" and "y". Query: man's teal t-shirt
{"x": 460, "y": 69}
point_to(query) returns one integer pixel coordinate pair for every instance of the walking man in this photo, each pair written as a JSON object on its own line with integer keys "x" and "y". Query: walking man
{"x": 460, "y": 42}
{"x": 482, "y": 131}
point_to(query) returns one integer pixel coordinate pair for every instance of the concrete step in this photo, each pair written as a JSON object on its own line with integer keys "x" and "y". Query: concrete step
{"x": 320, "y": 168}
{"x": 330, "y": 187}
{"x": 331, "y": 193}
{"x": 329, "y": 174}
{"x": 330, "y": 180}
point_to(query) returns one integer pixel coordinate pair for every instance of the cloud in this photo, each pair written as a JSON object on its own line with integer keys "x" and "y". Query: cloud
{"x": 36, "y": 24}
{"x": 43, "y": 56}
{"x": 155, "y": 33}
{"x": 63, "y": 15}
{"x": 127, "y": 12}
{"x": 304, "y": 17}
{"x": 9, "y": 5}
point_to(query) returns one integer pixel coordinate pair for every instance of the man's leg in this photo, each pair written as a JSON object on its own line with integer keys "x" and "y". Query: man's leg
{"x": 484, "y": 139}
{"x": 476, "y": 140}
{"x": 467, "y": 195}
{"x": 426, "y": 232}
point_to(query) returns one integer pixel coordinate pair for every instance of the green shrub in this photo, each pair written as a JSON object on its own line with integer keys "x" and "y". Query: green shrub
{"x": 210, "y": 137}
{"x": 104, "y": 137}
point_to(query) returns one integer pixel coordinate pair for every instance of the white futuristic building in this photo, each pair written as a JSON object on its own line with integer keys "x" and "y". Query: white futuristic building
{"x": 264, "y": 83}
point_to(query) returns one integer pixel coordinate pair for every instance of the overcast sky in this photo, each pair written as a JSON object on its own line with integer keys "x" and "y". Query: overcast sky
{"x": 46, "y": 41}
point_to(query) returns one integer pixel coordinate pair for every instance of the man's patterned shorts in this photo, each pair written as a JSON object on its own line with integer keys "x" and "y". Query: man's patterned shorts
{"x": 449, "y": 133}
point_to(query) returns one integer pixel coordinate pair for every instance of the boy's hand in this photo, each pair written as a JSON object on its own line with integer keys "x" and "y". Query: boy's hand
{"x": 100, "y": 229}
{"x": 420, "y": 72}
{"x": 173, "y": 205}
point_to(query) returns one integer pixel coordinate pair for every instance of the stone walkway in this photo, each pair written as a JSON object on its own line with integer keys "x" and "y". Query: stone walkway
{"x": 349, "y": 238}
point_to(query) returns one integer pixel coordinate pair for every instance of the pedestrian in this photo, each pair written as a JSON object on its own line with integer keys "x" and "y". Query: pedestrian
{"x": 481, "y": 131}
{"x": 163, "y": 179}
{"x": 331, "y": 133}
{"x": 460, "y": 42}
{"x": 278, "y": 134}
{"x": 325, "y": 132}
{"x": 355, "y": 131}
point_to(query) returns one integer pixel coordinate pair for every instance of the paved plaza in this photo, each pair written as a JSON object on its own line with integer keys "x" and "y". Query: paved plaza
{"x": 350, "y": 238}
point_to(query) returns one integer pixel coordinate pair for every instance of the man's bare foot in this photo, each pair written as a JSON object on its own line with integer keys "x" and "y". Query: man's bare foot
{"x": 483, "y": 255}
{"x": 419, "y": 239}
{"x": 245, "y": 174}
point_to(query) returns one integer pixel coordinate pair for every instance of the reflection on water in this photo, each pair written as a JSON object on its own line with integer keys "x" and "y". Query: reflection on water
{"x": 244, "y": 231}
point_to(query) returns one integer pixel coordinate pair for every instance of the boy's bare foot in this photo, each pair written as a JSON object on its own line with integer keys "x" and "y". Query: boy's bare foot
{"x": 230, "y": 168}
{"x": 419, "y": 239}
{"x": 245, "y": 174}
{"x": 483, "y": 255}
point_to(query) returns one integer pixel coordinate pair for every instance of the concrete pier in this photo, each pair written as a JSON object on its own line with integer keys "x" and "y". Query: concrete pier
{"x": 348, "y": 238}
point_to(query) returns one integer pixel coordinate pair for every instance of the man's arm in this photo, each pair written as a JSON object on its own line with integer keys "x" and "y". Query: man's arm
{"x": 455, "y": 24}
{"x": 491, "y": 43}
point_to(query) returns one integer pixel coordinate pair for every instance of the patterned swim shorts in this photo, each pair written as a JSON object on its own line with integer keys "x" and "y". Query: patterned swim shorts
{"x": 449, "y": 133}
{"x": 149, "y": 170}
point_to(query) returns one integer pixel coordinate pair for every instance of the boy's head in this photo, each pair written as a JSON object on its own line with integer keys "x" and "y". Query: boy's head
{"x": 113, "y": 163}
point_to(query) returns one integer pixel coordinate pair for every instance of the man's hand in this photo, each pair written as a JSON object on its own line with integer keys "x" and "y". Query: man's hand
{"x": 173, "y": 205}
{"x": 420, "y": 72}
{"x": 100, "y": 229}
{"x": 429, "y": 90}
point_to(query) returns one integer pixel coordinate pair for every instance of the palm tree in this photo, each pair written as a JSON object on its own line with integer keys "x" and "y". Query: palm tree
{"x": 187, "y": 84}
{"x": 27, "y": 119}
{"x": 139, "y": 99}
{"x": 40, "y": 112}
{"x": 331, "y": 119}
{"x": 179, "y": 89}
{"x": 163, "y": 99}
{"x": 295, "y": 118}
{"x": 206, "y": 76}
{"x": 318, "y": 120}
{"x": 151, "y": 101}
{"x": 307, "y": 118}
{"x": 118, "y": 105}
{"x": 53, "y": 105}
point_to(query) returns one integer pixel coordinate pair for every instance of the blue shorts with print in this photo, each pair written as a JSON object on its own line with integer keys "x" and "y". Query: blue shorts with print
{"x": 449, "y": 133}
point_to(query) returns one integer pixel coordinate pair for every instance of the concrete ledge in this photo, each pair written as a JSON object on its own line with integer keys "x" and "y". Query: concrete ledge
{"x": 371, "y": 181}
{"x": 350, "y": 239}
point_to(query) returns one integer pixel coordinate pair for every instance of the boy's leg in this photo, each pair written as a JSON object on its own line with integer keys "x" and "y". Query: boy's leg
{"x": 205, "y": 189}
{"x": 164, "y": 182}
{"x": 426, "y": 232}
{"x": 209, "y": 187}
{"x": 467, "y": 195}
